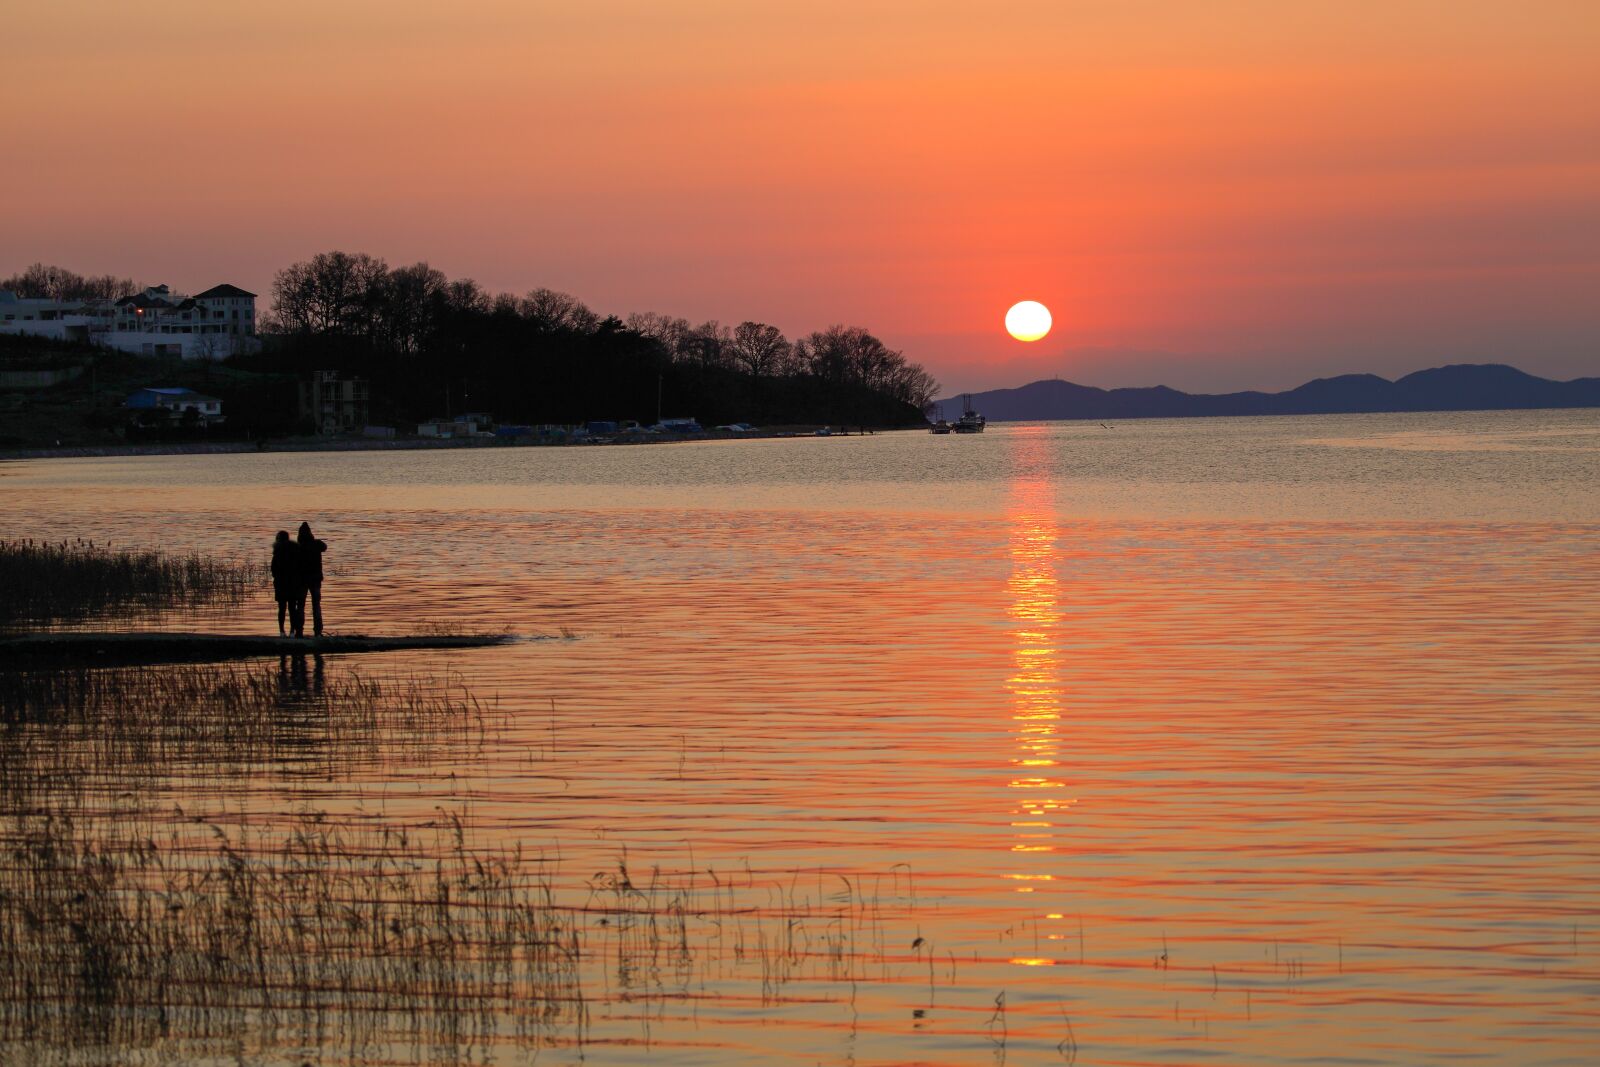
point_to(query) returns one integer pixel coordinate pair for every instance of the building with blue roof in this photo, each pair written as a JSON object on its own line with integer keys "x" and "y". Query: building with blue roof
{"x": 174, "y": 401}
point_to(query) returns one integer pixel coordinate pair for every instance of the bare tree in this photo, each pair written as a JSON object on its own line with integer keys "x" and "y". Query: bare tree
{"x": 669, "y": 331}
{"x": 466, "y": 295}
{"x": 915, "y": 386}
{"x": 709, "y": 344}
{"x": 826, "y": 354}
{"x": 551, "y": 310}
{"x": 108, "y": 287}
{"x": 851, "y": 355}
{"x": 414, "y": 296}
{"x": 48, "y": 282}
{"x": 759, "y": 348}
{"x": 333, "y": 292}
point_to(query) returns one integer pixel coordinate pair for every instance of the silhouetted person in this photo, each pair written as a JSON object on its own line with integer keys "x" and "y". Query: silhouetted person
{"x": 311, "y": 551}
{"x": 286, "y": 583}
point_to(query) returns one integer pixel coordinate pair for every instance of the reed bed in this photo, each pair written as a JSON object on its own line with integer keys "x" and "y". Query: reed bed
{"x": 47, "y": 583}
{"x": 113, "y": 937}
{"x": 129, "y": 728}
{"x": 132, "y": 930}
{"x": 364, "y": 937}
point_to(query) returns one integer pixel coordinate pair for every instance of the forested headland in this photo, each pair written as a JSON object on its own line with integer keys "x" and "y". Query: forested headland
{"x": 426, "y": 341}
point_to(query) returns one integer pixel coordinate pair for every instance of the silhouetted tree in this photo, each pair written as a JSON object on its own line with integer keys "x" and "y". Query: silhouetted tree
{"x": 333, "y": 292}
{"x": 911, "y": 384}
{"x": 425, "y": 342}
{"x": 549, "y": 310}
{"x": 843, "y": 356}
{"x": 466, "y": 296}
{"x": 708, "y": 345}
{"x": 758, "y": 348}
{"x": 47, "y": 282}
{"x": 414, "y": 301}
{"x": 670, "y": 332}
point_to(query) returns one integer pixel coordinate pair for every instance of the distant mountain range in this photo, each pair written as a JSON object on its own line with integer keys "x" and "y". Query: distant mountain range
{"x": 1459, "y": 387}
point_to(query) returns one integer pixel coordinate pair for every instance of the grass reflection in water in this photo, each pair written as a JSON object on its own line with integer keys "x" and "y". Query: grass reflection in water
{"x": 132, "y": 926}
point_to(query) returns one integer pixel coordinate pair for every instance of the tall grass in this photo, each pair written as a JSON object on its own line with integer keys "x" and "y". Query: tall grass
{"x": 135, "y": 727}
{"x": 135, "y": 930}
{"x": 127, "y": 926}
{"x": 51, "y": 582}
{"x": 115, "y": 938}
{"x": 366, "y": 937}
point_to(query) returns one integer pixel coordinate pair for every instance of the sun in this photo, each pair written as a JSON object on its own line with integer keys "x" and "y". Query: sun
{"x": 1028, "y": 320}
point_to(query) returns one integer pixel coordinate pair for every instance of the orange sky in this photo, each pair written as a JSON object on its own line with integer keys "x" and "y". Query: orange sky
{"x": 1212, "y": 195}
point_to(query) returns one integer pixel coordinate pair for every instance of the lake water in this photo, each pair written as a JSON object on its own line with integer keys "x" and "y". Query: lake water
{"x": 1244, "y": 741}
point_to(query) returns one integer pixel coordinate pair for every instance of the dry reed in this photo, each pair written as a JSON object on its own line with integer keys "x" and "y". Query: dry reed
{"x": 111, "y": 938}
{"x": 126, "y": 728}
{"x": 131, "y": 933}
{"x": 47, "y": 583}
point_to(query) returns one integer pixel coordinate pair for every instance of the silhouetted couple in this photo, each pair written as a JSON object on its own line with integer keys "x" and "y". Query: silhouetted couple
{"x": 296, "y": 573}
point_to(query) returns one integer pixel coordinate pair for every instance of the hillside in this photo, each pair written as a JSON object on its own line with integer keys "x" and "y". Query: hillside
{"x": 1459, "y": 387}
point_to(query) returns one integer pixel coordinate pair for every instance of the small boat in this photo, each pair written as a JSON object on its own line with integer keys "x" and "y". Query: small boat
{"x": 941, "y": 426}
{"x": 970, "y": 421}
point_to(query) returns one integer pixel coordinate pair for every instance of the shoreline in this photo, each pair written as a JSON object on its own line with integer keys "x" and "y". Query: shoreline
{"x": 401, "y": 444}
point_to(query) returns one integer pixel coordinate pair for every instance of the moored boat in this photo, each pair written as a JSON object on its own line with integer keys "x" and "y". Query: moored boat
{"x": 970, "y": 421}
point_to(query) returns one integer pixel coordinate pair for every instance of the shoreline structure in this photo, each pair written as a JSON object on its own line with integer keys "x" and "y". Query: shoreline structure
{"x": 411, "y": 444}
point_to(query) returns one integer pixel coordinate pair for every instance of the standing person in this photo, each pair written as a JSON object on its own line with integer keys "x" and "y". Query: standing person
{"x": 311, "y": 551}
{"x": 285, "y": 583}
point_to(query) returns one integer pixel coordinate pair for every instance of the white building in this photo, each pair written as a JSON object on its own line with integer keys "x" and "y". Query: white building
{"x": 172, "y": 403}
{"x": 217, "y": 323}
{"x": 60, "y": 320}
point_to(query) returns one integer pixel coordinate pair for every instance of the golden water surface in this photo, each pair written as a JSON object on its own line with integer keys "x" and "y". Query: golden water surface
{"x": 1241, "y": 741}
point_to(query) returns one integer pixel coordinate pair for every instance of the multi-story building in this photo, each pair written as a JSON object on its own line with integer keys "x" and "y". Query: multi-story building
{"x": 230, "y": 307}
{"x": 218, "y": 323}
{"x": 334, "y": 404}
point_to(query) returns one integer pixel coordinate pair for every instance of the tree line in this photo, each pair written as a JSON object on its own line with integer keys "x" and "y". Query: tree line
{"x": 545, "y": 356}
{"x": 432, "y": 345}
{"x": 45, "y": 282}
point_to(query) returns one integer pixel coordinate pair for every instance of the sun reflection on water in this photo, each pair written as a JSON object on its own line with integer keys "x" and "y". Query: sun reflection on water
{"x": 1034, "y": 606}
